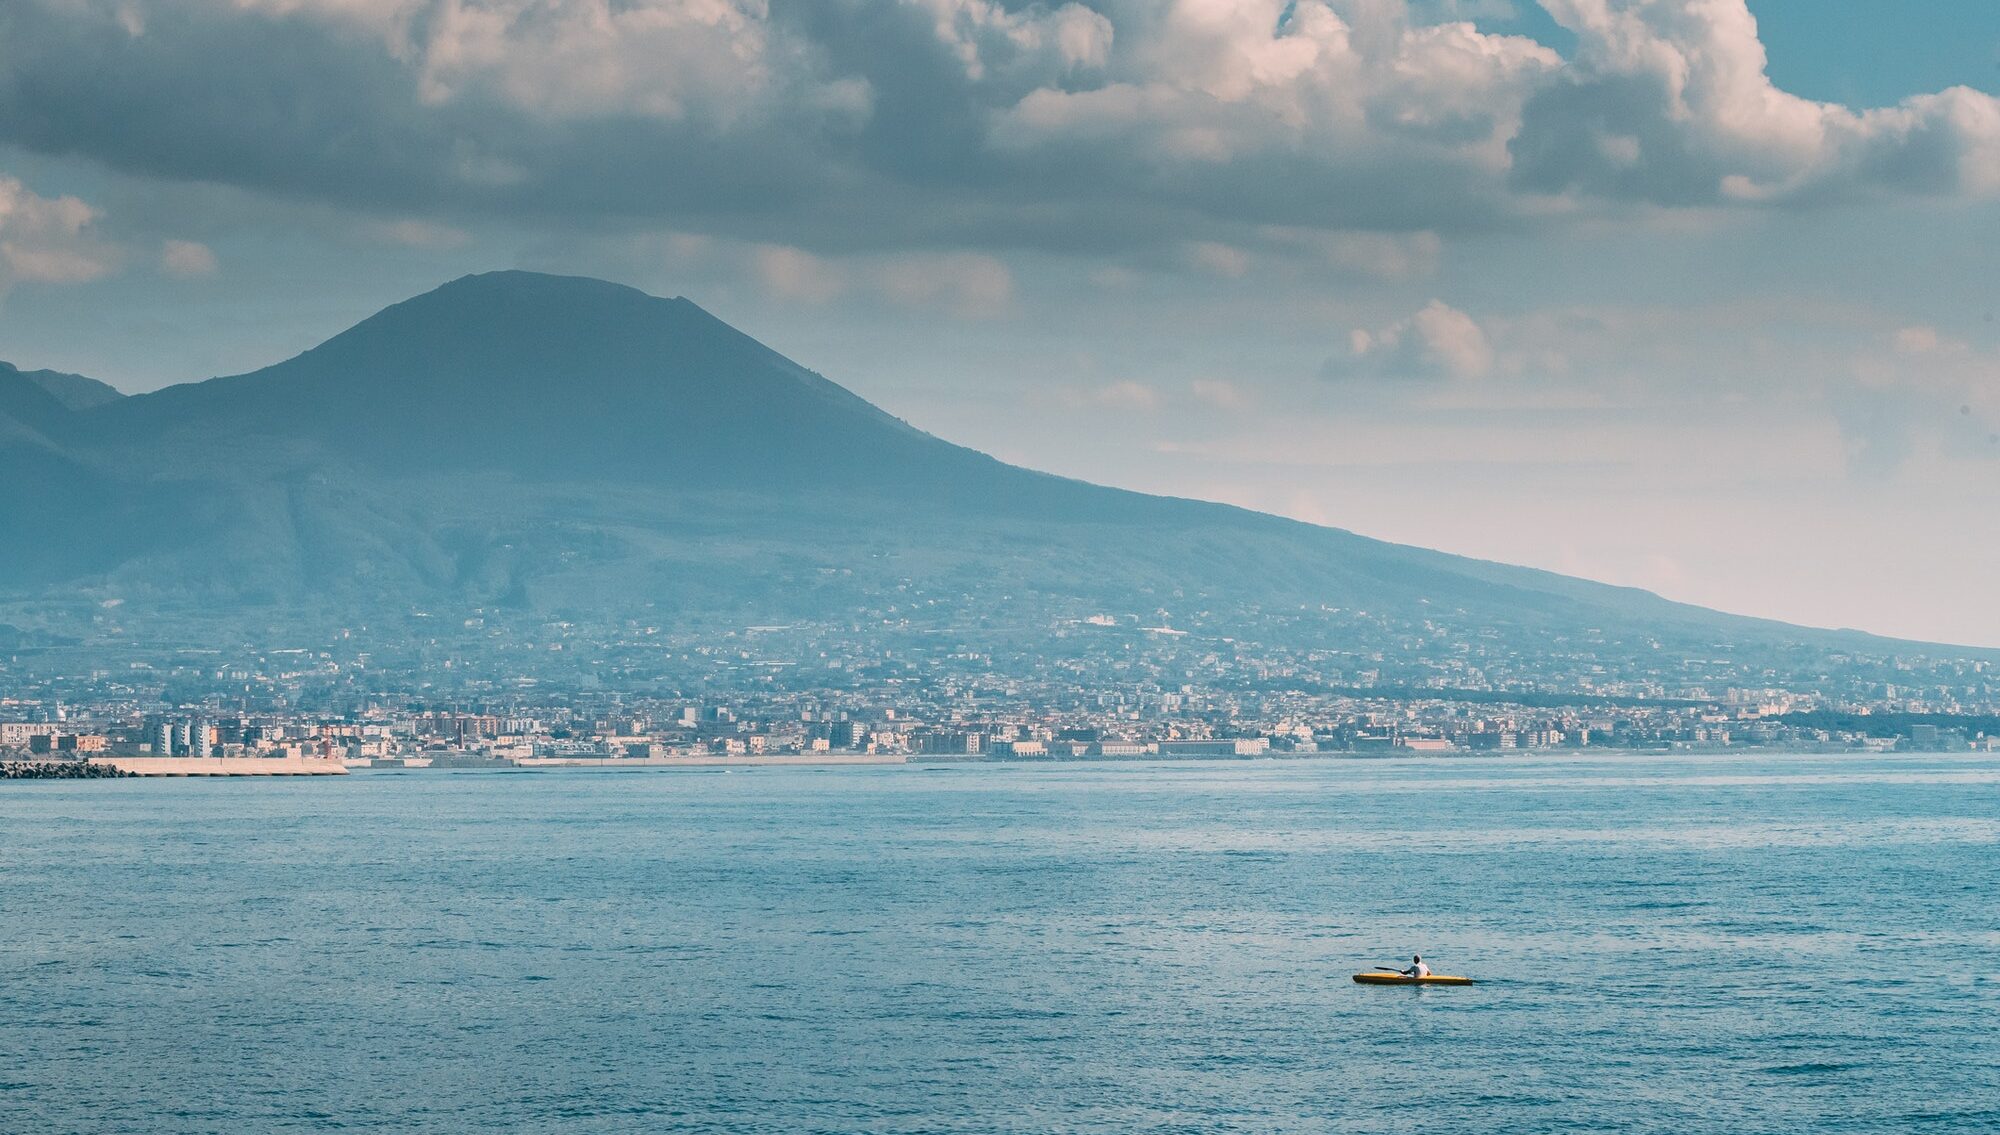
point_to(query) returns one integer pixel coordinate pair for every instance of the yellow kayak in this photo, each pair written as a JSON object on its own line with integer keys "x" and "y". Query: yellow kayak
{"x": 1389, "y": 977}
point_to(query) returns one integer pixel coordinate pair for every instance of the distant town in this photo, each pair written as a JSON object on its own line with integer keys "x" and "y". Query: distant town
{"x": 497, "y": 693}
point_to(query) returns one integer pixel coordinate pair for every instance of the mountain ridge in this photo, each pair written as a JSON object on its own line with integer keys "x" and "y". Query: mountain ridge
{"x": 568, "y": 441}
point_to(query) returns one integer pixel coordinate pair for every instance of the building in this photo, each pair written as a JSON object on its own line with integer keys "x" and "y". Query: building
{"x": 45, "y": 743}
{"x": 1217, "y": 747}
{"x": 1020, "y": 749}
{"x": 20, "y": 734}
{"x": 1118, "y": 749}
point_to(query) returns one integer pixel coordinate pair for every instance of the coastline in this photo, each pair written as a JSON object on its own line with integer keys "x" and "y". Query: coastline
{"x": 221, "y": 766}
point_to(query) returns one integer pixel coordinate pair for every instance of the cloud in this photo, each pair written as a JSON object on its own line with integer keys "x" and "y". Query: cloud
{"x": 1219, "y": 394}
{"x": 717, "y": 60}
{"x": 1218, "y": 259}
{"x": 411, "y": 233}
{"x": 1386, "y": 256}
{"x": 1126, "y": 396}
{"x": 1438, "y": 342}
{"x": 1362, "y": 133}
{"x": 965, "y": 284}
{"x": 186, "y": 259}
{"x": 795, "y": 274}
{"x": 983, "y": 35}
{"x": 48, "y": 239}
{"x": 1929, "y": 398}
{"x": 1925, "y": 340}
{"x": 1669, "y": 102}
{"x": 1916, "y": 340}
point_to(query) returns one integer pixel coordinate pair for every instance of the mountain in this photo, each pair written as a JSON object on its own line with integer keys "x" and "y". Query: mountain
{"x": 28, "y": 405}
{"x": 569, "y": 448}
{"x": 72, "y": 391}
{"x": 546, "y": 378}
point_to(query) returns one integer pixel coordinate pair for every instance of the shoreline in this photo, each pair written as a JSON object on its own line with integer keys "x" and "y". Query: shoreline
{"x": 220, "y": 766}
{"x": 126, "y": 767}
{"x": 877, "y": 760}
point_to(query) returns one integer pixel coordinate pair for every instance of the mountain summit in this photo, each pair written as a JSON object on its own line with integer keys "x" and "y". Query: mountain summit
{"x": 547, "y": 377}
{"x": 554, "y": 445}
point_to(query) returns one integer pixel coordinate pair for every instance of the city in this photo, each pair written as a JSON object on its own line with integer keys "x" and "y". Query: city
{"x": 511, "y": 692}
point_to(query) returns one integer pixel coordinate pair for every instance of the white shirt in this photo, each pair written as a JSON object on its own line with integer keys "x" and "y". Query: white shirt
{"x": 1421, "y": 969}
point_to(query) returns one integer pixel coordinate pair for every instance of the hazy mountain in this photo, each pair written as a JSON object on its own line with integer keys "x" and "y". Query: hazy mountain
{"x": 27, "y": 406}
{"x": 551, "y": 444}
{"x": 74, "y": 391}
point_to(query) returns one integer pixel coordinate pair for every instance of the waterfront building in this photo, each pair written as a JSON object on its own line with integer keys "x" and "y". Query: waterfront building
{"x": 1217, "y": 747}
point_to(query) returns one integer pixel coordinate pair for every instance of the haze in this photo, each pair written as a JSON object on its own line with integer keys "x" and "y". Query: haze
{"x": 1676, "y": 293}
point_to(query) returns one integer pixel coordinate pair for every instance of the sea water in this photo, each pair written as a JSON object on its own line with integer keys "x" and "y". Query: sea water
{"x": 1672, "y": 944}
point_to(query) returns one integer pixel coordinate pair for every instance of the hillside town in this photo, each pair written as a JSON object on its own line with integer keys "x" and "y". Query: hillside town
{"x": 1098, "y": 687}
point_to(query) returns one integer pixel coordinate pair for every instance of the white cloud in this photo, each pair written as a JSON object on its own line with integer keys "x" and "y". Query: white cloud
{"x": 186, "y": 259}
{"x": 47, "y": 239}
{"x": 379, "y": 16}
{"x": 719, "y": 60}
{"x": 1126, "y": 397}
{"x": 985, "y": 36}
{"x": 795, "y": 274}
{"x": 1670, "y": 101}
{"x": 1204, "y": 82}
{"x": 413, "y": 233}
{"x": 1925, "y": 340}
{"x": 658, "y": 58}
{"x": 1218, "y": 394}
{"x": 1929, "y": 399}
{"x": 1219, "y": 259}
{"x": 963, "y": 283}
{"x": 1439, "y": 341}
{"x": 1382, "y": 256}
{"x": 1666, "y": 101}
{"x": 1388, "y": 256}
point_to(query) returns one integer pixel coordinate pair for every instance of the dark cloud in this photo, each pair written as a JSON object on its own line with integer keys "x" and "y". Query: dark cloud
{"x": 1609, "y": 137}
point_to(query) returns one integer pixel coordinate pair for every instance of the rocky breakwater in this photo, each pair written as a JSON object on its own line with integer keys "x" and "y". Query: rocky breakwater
{"x": 59, "y": 770}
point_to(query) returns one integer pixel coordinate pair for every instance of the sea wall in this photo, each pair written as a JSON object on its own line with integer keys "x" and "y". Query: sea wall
{"x": 223, "y": 766}
{"x": 805, "y": 760}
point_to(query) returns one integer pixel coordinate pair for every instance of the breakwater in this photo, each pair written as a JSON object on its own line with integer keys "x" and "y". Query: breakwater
{"x": 59, "y": 770}
{"x": 223, "y": 766}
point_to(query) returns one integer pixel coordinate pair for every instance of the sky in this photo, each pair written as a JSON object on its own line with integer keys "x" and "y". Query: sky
{"x": 1690, "y": 295}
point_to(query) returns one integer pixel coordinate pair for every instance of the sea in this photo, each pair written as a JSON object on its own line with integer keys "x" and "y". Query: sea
{"x": 1686, "y": 943}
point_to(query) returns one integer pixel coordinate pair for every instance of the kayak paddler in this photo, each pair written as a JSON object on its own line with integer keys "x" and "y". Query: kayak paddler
{"x": 1417, "y": 967}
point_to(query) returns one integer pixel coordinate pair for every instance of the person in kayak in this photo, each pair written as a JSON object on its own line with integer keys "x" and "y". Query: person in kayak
{"x": 1417, "y": 968}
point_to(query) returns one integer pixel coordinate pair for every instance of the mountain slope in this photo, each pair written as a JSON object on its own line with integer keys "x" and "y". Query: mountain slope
{"x": 28, "y": 407}
{"x": 74, "y": 391}
{"x": 559, "y": 444}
